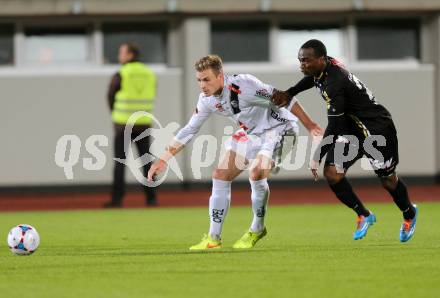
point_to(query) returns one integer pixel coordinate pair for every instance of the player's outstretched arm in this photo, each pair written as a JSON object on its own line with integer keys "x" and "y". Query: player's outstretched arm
{"x": 160, "y": 165}
{"x": 304, "y": 84}
{"x": 184, "y": 136}
{"x": 283, "y": 98}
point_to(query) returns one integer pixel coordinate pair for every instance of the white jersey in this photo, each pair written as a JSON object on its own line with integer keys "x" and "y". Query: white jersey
{"x": 245, "y": 100}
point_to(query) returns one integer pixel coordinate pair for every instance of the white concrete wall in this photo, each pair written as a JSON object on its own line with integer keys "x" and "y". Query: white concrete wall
{"x": 38, "y": 107}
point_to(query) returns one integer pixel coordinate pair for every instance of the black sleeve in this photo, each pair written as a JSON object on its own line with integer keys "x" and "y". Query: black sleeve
{"x": 115, "y": 86}
{"x": 305, "y": 83}
{"x": 335, "y": 100}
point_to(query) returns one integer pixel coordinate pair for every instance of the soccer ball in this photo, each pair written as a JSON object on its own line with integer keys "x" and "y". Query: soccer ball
{"x": 23, "y": 239}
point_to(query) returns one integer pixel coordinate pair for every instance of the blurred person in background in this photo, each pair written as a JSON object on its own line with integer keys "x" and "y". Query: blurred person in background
{"x": 132, "y": 89}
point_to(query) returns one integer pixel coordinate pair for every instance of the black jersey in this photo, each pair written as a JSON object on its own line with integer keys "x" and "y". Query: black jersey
{"x": 349, "y": 102}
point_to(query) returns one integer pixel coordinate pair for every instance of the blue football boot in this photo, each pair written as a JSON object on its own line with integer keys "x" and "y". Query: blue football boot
{"x": 408, "y": 227}
{"x": 363, "y": 223}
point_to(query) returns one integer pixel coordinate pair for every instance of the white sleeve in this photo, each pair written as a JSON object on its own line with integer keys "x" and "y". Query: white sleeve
{"x": 260, "y": 93}
{"x": 201, "y": 114}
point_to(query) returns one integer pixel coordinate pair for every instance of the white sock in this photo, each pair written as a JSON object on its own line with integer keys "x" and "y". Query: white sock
{"x": 218, "y": 206}
{"x": 260, "y": 196}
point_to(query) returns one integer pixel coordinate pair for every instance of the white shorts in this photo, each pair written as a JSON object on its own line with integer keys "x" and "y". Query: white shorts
{"x": 249, "y": 146}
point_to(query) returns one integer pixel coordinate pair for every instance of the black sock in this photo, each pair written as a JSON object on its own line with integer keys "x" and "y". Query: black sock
{"x": 345, "y": 194}
{"x": 400, "y": 197}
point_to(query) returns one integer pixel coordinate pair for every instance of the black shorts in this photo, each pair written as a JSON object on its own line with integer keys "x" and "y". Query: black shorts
{"x": 381, "y": 149}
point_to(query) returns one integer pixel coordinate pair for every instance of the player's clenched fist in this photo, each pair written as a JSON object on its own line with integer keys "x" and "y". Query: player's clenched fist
{"x": 281, "y": 98}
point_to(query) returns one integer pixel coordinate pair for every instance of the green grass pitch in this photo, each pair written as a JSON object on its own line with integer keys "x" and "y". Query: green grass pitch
{"x": 308, "y": 252}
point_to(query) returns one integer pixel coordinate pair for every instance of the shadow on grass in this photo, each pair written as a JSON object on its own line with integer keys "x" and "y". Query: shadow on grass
{"x": 117, "y": 252}
{"x": 99, "y": 251}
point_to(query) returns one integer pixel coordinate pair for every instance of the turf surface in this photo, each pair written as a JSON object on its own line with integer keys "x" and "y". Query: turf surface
{"x": 144, "y": 253}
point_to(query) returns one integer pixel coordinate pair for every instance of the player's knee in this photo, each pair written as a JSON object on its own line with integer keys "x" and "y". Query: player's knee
{"x": 332, "y": 175}
{"x": 256, "y": 173}
{"x": 389, "y": 182}
{"x": 221, "y": 174}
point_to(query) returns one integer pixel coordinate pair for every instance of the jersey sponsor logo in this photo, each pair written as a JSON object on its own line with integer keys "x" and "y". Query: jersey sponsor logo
{"x": 277, "y": 117}
{"x": 342, "y": 139}
{"x": 219, "y": 107}
{"x": 263, "y": 93}
{"x": 383, "y": 165}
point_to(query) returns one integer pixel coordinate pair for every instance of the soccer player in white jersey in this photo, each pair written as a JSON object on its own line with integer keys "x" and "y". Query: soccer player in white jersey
{"x": 247, "y": 101}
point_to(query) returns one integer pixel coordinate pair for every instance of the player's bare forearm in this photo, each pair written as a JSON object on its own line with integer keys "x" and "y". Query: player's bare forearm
{"x": 315, "y": 131}
{"x": 313, "y": 127}
{"x": 172, "y": 149}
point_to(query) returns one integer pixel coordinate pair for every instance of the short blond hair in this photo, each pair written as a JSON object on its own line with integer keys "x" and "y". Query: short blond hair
{"x": 213, "y": 62}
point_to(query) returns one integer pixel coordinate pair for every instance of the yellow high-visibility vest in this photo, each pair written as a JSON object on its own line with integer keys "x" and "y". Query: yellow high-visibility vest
{"x": 137, "y": 93}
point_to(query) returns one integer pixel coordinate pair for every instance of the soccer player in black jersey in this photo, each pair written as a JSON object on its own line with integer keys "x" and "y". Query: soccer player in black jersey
{"x": 355, "y": 123}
